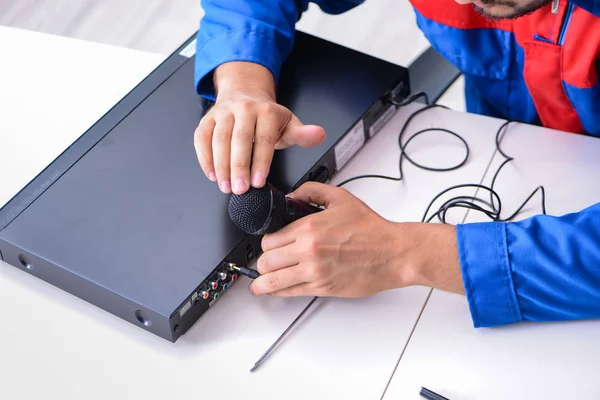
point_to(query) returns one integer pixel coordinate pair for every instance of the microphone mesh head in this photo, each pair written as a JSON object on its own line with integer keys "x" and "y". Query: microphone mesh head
{"x": 258, "y": 211}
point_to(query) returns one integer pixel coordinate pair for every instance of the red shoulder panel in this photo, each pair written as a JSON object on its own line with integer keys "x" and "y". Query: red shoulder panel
{"x": 581, "y": 50}
{"x": 454, "y": 15}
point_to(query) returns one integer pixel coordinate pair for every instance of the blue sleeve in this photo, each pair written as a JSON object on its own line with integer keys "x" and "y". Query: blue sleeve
{"x": 260, "y": 31}
{"x": 544, "y": 268}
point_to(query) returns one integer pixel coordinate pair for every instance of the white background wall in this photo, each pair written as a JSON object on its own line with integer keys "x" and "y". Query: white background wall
{"x": 381, "y": 28}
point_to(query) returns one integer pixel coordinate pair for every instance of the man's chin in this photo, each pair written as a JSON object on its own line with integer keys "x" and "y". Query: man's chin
{"x": 496, "y": 13}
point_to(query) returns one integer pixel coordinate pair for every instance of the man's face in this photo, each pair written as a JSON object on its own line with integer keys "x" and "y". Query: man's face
{"x": 504, "y": 9}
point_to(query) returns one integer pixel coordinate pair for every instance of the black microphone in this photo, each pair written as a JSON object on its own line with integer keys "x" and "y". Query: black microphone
{"x": 266, "y": 210}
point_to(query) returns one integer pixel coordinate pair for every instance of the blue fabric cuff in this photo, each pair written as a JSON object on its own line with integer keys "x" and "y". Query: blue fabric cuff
{"x": 486, "y": 272}
{"x": 247, "y": 46}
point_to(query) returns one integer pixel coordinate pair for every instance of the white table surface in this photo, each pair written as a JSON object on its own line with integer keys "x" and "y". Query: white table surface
{"x": 54, "y": 345}
{"x": 51, "y": 90}
{"x": 525, "y": 360}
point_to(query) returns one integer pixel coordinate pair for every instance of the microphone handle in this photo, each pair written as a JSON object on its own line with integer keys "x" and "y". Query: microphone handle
{"x": 296, "y": 209}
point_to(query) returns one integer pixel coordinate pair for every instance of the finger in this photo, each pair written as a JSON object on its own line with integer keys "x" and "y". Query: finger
{"x": 317, "y": 193}
{"x": 241, "y": 151}
{"x": 283, "y": 237}
{"x": 264, "y": 146}
{"x": 203, "y": 144}
{"x": 221, "y": 145}
{"x": 278, "y": 280}
{"x": 301, "y": 290}
{"x": 278, "y": 258}
{"x": 296, "y": 133}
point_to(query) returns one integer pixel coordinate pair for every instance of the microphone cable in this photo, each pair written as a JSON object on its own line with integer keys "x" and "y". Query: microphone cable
{"x": 492, "y": 208}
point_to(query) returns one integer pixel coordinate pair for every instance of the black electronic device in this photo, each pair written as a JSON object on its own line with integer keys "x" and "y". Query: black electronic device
{"x": 125, "y": 219}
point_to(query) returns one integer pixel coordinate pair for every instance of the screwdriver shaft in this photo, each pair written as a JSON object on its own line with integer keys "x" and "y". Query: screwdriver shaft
{"x": 282, "y": 336}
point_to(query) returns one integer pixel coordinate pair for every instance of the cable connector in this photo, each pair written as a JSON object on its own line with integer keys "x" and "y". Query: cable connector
{"x": 250, "y": 273}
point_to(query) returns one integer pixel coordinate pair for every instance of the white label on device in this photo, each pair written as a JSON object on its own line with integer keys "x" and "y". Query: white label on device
{"x": 385, "y": 117}
{"x": 349, "y": 145}
{"x": 185, "y": 309}
{"x": 189, "y": 50}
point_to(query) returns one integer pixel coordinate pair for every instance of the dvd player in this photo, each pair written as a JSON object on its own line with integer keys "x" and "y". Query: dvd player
{"x": 126, "y": 220}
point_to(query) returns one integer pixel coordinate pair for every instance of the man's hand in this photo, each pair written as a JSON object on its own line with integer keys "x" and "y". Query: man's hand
{"x": 236, "y": 139}
{"x": 347, "y": 250}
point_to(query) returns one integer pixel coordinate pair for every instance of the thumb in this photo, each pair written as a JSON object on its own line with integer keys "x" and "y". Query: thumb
{"x": 317, "y": 193}
{"x": 296, "y": 133}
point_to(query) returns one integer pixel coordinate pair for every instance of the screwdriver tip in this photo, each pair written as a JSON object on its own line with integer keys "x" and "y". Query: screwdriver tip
{"x": 268, "y": 352}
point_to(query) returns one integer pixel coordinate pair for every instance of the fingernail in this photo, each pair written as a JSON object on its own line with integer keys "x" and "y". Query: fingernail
{"x": 225, "y": 186}
{"x": 258, "y": 179}
{"x": 212, "y": 176}
{"x": 250, "y": 289}
{"x": 239, "y": 185}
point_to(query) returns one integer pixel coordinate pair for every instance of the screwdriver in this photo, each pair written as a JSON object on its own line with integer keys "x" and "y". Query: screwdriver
{"x": 282, "y": 336}
{"x": 253, "y": 274}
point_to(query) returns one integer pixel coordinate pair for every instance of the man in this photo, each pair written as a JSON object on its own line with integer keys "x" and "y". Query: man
{"x": 526, "y": 60}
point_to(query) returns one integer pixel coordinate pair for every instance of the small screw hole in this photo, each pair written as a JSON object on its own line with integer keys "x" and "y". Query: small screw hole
{"x": 24, "y": 262}
{"x": 144, "y": 320}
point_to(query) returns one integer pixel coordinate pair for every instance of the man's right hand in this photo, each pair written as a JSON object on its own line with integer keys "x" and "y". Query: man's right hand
{"x": 236, "y": 139}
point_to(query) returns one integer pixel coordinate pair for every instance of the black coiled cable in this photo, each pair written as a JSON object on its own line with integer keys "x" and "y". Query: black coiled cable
{"x": 492, "y": 208}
